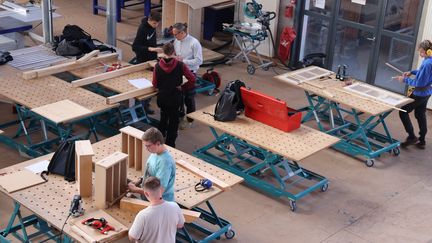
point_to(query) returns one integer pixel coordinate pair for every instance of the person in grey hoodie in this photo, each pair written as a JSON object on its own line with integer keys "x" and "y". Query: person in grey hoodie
{"x": 189, "y": 51}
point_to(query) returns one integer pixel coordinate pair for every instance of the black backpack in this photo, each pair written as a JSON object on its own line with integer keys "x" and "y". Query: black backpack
{"x": 235, "y": 87}
{"x": 74, "y": 33}
{"x": 63, "y": 161}
{"x": 226, "y": 107}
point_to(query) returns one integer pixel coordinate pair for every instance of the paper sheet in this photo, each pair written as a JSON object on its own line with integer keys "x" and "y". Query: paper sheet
{"x": 38, "y": 167}
{"x": 320, "y": 4}
{"x": 362, "y": 2}
{"x": 141, "y": 83}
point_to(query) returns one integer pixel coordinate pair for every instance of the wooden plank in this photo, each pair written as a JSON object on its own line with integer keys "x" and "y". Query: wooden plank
{"x": 62, "y": 111}
{"x": 203, "y": 174}
{"x": 131, "y": 151}
{"x": 83, "y": 167}
{"x": 88, "y": 56}
{"x": 112, "y": 159}
{"x": 138, "y": 154}
{"x": 66, "y": 67}
{"x": 20, "y": 180}
{"x": 132, "y": 131}
{"x": 93, "y": 235}
{"x": 116, "y": 180}
{"x": 135, "y": 205}
{"x": 168, "y": 13}
{"x": 100, "y": 187}
{"x": 110, "y": 75}
{"x": 128, "y": 95}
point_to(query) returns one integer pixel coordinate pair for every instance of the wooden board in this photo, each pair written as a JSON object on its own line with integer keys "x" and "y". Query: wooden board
{"x": 83, "y": 167}
{"x": 19, "y": 180}
{"x": 378, "y": 94}
{"x": 42, "y": 91}
{"x": 66, "y": 67}
{"x": 135, "y": 205}
{"x": 93, "y": 234}
{"x": 130, "y": 94}
{"x": 203, "y": 174}
{"x": 62, "y": 111}
{"x": 296, "y": 145}
{"x": 209, "y": 55}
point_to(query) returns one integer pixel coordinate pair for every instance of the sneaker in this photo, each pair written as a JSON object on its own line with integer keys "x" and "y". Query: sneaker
{"x": 421, "y": 145}
{"x": 182, "y": 124}
{"x": 409, "y": 141}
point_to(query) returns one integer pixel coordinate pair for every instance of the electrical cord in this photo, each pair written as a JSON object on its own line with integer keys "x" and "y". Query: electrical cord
{"x": 61, "y": 232}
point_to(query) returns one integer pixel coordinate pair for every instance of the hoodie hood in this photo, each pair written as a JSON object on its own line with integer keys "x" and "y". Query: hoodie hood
{"x": 168, "y": 64}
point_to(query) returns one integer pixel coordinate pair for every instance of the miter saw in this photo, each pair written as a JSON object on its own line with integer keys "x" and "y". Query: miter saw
{"x": 248, "y": 36}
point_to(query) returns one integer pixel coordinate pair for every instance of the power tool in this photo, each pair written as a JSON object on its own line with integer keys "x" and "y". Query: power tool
{"x": 76, "y": 208}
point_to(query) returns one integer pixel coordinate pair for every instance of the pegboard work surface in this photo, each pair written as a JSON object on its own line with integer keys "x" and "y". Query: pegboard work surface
{"x": 47, "y": 90}
{"x": 295, "y": 145}
{"x": 118, "y": 84}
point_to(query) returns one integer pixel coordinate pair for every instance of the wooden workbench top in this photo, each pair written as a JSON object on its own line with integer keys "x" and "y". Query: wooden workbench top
{"x": 295, "y": 145}
{"x": 51, "y": 200}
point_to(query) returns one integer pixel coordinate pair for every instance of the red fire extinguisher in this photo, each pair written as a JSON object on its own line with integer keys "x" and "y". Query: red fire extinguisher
{"x": 287, "y": 37}
{"x": 289, "y": 9}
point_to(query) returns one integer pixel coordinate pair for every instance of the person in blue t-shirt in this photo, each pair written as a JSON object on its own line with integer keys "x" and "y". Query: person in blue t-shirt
{"x": 160, "y": 164}
{"x": 421, "y": 94}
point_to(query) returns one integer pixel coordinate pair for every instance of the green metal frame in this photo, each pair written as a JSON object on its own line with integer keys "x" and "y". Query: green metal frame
{"x": 359, "y": 137}
{"x": 30, "y": 122}
{"x": 212, "y": 218}
{"x": 288, "y": 178}
{"x": 203, "y": 85}
{"x": 23, "y": 222}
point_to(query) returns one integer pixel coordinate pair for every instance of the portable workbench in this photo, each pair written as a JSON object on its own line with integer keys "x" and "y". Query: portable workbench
{"x": 359, "y": 121}
{"x": 51, "y": 103}
{"x": 50, "y": 201}
{"x": 265, "y": 157}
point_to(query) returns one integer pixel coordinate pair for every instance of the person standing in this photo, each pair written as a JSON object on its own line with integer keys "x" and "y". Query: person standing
{"x": 159, "y": 222}
{"x": 145, "y": 45}
{"x": 168, "y": 79}
{"x": 421, "y": 94}
{"x": 189, "y": 51}
{"x": 159, "y": 164}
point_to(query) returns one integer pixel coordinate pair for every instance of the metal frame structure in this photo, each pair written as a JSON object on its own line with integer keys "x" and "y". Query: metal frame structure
{"x": 358, "y": 136}
{"x": 254, "y": 163}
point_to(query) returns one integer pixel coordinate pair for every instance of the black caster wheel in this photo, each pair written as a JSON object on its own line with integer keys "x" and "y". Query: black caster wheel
{"x": 266, "y": 68}
{"x": 396, "y": 151}
{"x": 293, "y": 205}
{"x": 230, "y": 234}
{"x": 250, "y": 69}
{"x": 324, "y": 187}
{"x": 370, "y": 162}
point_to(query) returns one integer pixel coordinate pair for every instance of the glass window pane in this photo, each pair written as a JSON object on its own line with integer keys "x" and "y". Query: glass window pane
{"x": 311, "y": 6}
{"x": 314, "y": 39}
{"x": 358, "y": 13}
{"x": 398, "y": 53}
{"x": 353, "y": 48}
{"x": 401, "y": 16}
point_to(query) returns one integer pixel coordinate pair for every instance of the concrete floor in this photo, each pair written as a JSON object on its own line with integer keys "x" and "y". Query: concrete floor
{"x": 390, "y": 202}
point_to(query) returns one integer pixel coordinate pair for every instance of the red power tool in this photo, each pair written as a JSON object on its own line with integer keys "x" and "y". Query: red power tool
{"x": 99, "y": 224}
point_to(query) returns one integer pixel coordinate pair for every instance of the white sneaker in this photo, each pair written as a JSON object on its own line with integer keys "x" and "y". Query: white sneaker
{"x": 182, "y": 124}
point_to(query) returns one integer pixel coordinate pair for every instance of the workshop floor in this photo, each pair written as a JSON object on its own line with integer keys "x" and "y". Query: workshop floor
{"x": 390, "y": 202}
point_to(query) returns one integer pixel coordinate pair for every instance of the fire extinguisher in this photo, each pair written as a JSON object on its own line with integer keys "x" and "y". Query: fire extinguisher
{"x": 289, "y": 9}
{"x": 287, "y": 37}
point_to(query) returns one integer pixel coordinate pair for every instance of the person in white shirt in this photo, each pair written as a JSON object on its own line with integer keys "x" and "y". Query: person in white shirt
{"x": 188, "y": 50}
{"x": 159, "y": 222}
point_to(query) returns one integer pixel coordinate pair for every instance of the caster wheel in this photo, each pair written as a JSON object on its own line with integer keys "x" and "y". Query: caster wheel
{"x": 396, "y": 151}
{"x": 293, "y": 205}
{"x": 370, "y": 162}
{"x": 230, "y": 234}
{"x": 250, "y": 69}
{"x": 266, "y": 68}
{"x": 324, "y": 187}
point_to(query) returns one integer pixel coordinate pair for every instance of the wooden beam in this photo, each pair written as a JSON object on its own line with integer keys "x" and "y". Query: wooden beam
{"x": 109, "y": 75}
{"x": 135, "y": 205}
{"x": 88, "y": 56}
{"x": 128, "y": 95}
{"x": 66, "y": 66}
{"x": 203, "y": 174}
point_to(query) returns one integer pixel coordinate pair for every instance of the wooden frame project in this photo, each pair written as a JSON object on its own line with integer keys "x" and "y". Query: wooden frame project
{"x": 132, "y": 145}
{"x": 303, "y": 75}
{"x": 111, "y": 179}
{"x": 83, "y": 167}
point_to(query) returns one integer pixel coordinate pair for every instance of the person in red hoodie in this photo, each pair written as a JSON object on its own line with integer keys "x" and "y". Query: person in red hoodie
{"x": 168, "y": 79}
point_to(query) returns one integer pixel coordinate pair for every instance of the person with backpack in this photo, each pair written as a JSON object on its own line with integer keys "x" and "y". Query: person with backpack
{"x": 168, "y": 79}
{"x": 145, "y": 45}
{"x": 188, "y": 50}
